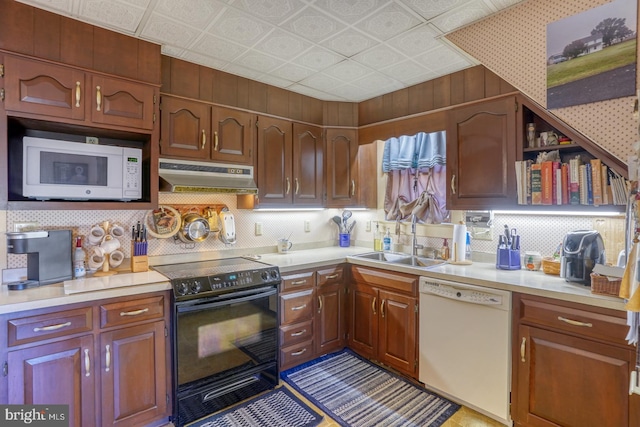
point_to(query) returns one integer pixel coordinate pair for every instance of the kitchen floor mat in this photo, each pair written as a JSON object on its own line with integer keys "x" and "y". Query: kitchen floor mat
{"x": 279, "y": 407}
{"x": 358, "y": 393}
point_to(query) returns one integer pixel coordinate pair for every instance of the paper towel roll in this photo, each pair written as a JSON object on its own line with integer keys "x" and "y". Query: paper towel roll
{"x": 459, "y": 242}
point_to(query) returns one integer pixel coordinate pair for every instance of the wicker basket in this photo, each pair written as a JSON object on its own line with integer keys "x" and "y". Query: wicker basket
{"x": 603, "y": 286}
{"x": 550, "y": 266}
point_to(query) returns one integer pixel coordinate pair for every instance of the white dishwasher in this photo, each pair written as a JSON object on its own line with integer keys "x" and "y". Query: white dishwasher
{"x": 465, "y": 345}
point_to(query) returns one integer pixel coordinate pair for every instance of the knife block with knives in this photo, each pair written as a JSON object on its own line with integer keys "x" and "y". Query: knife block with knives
{"x": 508, "y": 254}
{"x": 139, "y": 258}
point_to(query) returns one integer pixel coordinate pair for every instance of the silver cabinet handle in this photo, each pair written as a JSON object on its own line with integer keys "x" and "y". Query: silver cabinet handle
{"x": 353, "y": 187}
{"x": 574, "y": 322}
{"x": 319, "y": 304}
{"x": 87, "y": 363}
{"x": 52, "y": 327}
{"x": 299, "y": 307}
{"x": 333, "y": 276}
{"x": 288, "y": 186}
{"x": 108, "y": 358}
{"x": 523, "y": 346}
{"x": 134, "y": 312}
{"x": 453, "y": 184}
{"x": 299, "y": 282}
{"x": 373, "y": 305}
{"x": 204, "y": 139}
{"x": 297, "y": 334}
{"x": 382, "y": 308}
{"x": 215, "y": 141}
{"x": 78, "y": 93}
{"x": 298, "y": 353}
{"x": 297, "y": 183}
{"x": 98, "y": 98}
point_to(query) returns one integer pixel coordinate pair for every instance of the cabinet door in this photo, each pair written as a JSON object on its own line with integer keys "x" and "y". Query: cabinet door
{"x": 274, "y": 161}
{"x": 232, "y": 136}
{"x": 397, "y": 345}
{"x": 59, "y": 373}
{"x": 569, "y": 381}
{"x": 363, "y": 320}
{"x": 341, "y": 167}
{"x": 184, "y": 128}
{"x": 481, "y": 153}
{"x": 330, "y": 327}
{"x": 122, "y": 103}
{"x": 44, "y": 89}
{"x": 307, "y": 165}
{"x": 133, "y": 373}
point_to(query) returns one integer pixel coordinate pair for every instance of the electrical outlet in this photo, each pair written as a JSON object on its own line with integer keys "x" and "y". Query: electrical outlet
{"x": 25, "y": 226}
{"x": 368, "y": 226}
{"x": 258, "y": 229}
{"x": 92, "y": 140}
{"x": 307, "y": 225}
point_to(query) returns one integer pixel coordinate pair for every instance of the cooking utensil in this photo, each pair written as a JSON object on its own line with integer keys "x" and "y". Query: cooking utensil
{"x": 346, "y": 214}
{"x": 350, "y": 227}
{"x": 194, "y": 228}
{"x": 227, "y": 228}
{"x": 338, "y": 221}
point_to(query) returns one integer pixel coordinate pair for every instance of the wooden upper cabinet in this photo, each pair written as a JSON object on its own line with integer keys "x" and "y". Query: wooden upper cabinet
{"x": 308, "y": 174}
{"x": 44, "y": 89}
{"x": 184, "y": 128}
{"x": 341, "y": 167}
{"x": 481, "y": 153}
{"x": 36, "y": 88}
{"x": 232, "y": 136}
{"x": 274, "y": 161}
{"x": 122, "y": 103}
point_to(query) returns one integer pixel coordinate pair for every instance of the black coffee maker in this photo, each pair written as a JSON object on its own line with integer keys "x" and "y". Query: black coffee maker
{"x": 581, "y": 251}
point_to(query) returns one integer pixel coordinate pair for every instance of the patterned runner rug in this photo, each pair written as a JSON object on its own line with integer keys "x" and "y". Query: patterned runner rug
{"x": 278, "y": 407}
{"x": 357, "y": 393}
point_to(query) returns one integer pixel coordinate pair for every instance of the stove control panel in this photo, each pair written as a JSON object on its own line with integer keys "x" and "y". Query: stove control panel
{"x": 225, "y": 282}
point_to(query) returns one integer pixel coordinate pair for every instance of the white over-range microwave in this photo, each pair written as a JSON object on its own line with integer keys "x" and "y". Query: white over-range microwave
{"x": 56, "y": 169}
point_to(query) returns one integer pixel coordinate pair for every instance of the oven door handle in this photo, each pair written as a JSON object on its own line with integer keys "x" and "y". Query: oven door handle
{"x": 231, "y": 298}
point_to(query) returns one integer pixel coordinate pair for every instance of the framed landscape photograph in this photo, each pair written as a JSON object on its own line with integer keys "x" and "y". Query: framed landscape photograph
{"x": 591, "y": 56}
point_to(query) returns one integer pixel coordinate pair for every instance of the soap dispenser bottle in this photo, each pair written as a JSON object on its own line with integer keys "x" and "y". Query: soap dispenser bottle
{"x": 377, "y": 239}
{"x": 444, "y": 252}
{"x": 386, "y": 241}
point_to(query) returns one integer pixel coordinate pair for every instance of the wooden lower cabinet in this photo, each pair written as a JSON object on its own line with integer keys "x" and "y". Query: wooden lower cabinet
{"x": 108, "y": 375}
{"x": 330, "y": 317}
{"x": 383, "y": 321}
{"x": 571, "y": 374}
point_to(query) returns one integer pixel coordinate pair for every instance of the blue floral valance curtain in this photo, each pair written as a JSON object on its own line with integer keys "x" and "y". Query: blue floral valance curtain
{"x": 416, "y": 177}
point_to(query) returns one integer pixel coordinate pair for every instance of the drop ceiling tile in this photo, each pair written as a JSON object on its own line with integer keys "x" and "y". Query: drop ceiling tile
{"x": 352, "y": 92}
{"x": 112, "y": 14}
{"x": 378, "y": 57}
{"x": 349, "y": 42}
{"x": 274, "y": 81}
{"x": 313, "y": 25}
{"x": 205, "y": 60}
{"x": 317, "y": 59}
{"x": 378, "y": 83}
{"x": 416, "y": 41}
{"x": 350, "y": 11}
{"x": 54, "y": 5}
{"x": 195, "y": 13}
{"x": 283, "y": 45}
{"x": 470, "y": 12}
{"x": 441, "y": 58}
{"x": 347, "y": 71}
{"x": 321, "y": 82}
{"x": 242, "y": 71}
{"x": 388, "y": 22}
{"x": 318, "y": 94}
{"x": 216, "y": 47}
{"x": 258, "y": 61}
{"x": 169, "y": 50}
{"x": 273, "y": 11}
{"x": 139, "y": 3}
{"x": 429, "y": 9}
{"x": 240, "y": 27}
{"x": 408, "y": 72}
{"x": 163, "y": 30}
{"x": 292, "y": 72}
{"x": 503, "y": 4}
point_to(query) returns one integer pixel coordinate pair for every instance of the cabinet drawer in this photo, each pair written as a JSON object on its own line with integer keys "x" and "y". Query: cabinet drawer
{"x": 296, "y": 354}
{"x": 330, "y": 276}
{"x": 120, "y": 313}
{"x": 296, "y": 307}
{"x": 600, "y": 324}
{"x": 386, "y": 279}
{"x": 44, "y": 326}
{"x": 296, "y": 281}
{"x": 296, "y": 333}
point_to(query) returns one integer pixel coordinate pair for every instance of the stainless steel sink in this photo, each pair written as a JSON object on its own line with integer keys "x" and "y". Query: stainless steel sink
{"x": 400, "y": 258}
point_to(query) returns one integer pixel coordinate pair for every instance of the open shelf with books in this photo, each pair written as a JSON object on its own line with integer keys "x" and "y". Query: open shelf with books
{"x": 561, "y": 169}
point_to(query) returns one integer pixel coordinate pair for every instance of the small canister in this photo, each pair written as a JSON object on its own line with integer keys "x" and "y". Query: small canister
{"x": 532, "y": 260}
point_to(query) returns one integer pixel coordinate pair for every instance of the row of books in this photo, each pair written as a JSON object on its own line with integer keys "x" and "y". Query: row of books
{"x": 574, "y": 183}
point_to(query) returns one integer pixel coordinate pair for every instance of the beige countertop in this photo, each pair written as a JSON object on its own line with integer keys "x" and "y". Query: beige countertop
{"x": 481, "y": 274}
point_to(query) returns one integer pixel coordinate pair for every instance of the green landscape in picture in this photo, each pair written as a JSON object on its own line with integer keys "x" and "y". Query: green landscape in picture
{"x": 610, "y": 58}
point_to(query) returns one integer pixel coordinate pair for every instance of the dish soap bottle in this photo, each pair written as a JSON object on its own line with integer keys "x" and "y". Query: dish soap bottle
{"x": 79, "y": 269}
{"x": 467, "y": 252}
{"x": 386, "y": 241}
{"x": 444, "y": 251}
{"x": 377, "y": 240}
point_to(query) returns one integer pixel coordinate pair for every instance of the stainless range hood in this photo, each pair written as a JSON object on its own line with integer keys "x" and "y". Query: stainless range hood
{"x": 185, "y": 176}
